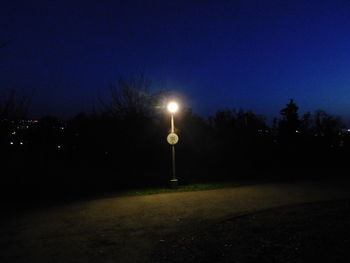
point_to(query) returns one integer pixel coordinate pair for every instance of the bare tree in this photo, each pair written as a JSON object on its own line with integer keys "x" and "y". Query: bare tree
{"x": 326, "y": 124}
{"x": 132, "y": 97}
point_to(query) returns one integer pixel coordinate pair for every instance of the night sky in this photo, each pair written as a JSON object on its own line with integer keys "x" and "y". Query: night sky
{"x": 218, "y": 54}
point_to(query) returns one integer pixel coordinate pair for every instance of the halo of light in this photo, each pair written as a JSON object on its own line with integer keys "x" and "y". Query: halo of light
{"x": 173, "y": 107}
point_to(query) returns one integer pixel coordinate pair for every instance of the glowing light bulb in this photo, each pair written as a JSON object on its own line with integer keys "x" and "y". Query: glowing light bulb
{"x": 173, "y": 107}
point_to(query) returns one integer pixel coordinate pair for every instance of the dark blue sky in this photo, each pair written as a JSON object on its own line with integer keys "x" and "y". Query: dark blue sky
{"x": 218, "y": 54}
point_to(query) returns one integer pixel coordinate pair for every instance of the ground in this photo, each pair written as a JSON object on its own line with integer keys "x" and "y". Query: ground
{"x": 313, "y": 232}
{"x": 138, "y": 228}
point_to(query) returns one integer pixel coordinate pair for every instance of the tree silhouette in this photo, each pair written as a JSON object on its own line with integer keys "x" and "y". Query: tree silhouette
{"x": 327, "y": 128}
{"x": 290, "y": 123}
{"x": 132, "y": 98}
{"x": 306, "y": 124}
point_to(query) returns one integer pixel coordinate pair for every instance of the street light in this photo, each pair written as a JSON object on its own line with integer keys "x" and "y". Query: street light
{"x": 173, "y": 107}
{"x": 173, "y": 139}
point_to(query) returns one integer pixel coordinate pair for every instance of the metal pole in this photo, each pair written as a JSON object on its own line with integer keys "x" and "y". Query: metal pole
{"x": 172, "y": 123}
{"x": 173, "y": 181}
{"x": 173, "y": 153}
{"x": 173, "y": 146}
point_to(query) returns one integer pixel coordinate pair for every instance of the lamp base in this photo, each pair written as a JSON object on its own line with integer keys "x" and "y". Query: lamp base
{"x": 174, "y": 183}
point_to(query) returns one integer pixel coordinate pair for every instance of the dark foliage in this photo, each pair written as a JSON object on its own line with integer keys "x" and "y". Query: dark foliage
{"x": 124, "y": 146}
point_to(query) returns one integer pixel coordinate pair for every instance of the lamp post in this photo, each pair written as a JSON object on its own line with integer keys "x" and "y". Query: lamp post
{"x": 172, "y": 140}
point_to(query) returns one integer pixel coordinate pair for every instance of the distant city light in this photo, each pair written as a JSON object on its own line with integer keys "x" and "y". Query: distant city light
{"x": 59, "y": 146}
{"x": 11, "y": 143}
{"x": 21, "y": 143}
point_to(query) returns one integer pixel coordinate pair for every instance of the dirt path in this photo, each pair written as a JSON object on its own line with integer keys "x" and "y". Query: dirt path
{"x": 126, "y": 229}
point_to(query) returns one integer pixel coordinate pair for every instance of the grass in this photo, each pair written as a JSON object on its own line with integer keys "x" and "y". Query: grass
{"x": 30, "y": 202}
{"x": 181, "y": 188}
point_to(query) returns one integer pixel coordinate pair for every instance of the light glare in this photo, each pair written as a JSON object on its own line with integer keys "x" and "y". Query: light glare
{"x": 173, "y": 107}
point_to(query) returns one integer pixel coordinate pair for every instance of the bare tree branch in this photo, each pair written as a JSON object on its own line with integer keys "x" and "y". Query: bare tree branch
{"x": 131, "y": 97}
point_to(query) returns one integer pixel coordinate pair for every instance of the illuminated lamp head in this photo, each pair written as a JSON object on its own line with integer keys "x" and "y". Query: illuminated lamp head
{"x": 172, "y": 107}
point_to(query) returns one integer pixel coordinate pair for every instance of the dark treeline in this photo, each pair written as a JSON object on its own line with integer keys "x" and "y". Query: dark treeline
{"x": 123, "y": 145}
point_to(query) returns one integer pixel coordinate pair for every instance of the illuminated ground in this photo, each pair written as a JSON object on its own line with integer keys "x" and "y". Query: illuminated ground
{"x": 132, "y": 229}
